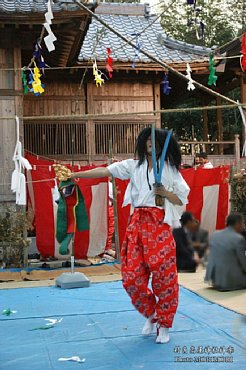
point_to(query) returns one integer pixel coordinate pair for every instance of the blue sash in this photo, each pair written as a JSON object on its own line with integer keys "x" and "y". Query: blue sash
{"x": 157, "y": 174}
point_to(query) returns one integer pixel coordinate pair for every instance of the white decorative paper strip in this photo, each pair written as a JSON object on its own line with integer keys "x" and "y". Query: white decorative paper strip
{"x": 190, "y": 85}
{"x": 50, "y": 38}
{"x": 18, "y": 179}
{"x": 49, "y": 14}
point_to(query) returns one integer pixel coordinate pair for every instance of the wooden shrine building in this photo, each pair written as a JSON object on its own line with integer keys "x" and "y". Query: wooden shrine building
{"x": 21, "y": 24}
{"x": 73, "y": 93}
{"x": 56, "y": 119}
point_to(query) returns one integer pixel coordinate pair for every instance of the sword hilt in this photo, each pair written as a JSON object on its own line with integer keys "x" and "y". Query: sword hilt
{"x": 159, "y": 200}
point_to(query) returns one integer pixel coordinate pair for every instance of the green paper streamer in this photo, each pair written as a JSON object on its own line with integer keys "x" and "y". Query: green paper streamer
{"x": 24, "y": 82}
{"x": 82, "y": 222}
{"x": 7, "y": 312}
{"x": 212, "y": 78}
{"x": 43, "y": 327}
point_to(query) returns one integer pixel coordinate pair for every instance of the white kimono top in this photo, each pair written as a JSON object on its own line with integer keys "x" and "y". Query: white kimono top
{"x": 138, "y": 192}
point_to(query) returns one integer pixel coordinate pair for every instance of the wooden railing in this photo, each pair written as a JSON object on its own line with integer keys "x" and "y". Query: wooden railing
{"x": 190, "y": 148}
{"x": 54, "y": 139}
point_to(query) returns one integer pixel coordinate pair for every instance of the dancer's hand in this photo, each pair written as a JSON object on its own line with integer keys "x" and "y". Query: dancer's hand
{"x": 161, "y": 191}
{"x": 62, "y": 172}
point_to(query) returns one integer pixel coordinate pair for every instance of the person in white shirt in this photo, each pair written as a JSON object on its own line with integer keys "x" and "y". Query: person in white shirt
{"x": 202, "y": 161}
{"x": 149, "y": 248}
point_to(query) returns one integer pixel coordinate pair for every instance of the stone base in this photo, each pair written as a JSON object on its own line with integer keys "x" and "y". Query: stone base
{"x": 69, "y": 280}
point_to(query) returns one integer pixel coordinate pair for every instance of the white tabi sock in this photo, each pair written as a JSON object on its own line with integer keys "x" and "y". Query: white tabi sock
{"x": 148, "y": 326}
{"x": 162, "y": 335}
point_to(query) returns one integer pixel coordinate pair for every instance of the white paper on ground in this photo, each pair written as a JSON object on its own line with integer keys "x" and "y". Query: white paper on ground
{"x": 53, "y": 321}
{"x": 73, "y": 358}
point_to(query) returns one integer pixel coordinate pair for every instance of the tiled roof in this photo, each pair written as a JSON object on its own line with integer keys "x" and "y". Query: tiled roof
{"x": 154, "y": 40}
{"x": 33, "y": 6}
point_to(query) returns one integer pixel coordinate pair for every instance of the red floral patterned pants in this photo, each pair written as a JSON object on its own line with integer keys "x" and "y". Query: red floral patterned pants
{"x": 149, "y": 249}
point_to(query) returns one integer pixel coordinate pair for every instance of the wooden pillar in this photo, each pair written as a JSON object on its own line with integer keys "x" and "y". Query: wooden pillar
{"x": 243, "y": 101}
{"x": 157, "y": 104}
{"x": 90, "y": 125}
{"x": 205, "y": 122}
{"x": 237, "y": 151}
{"x": 10, "y": 105}
{"x": 219, "y": 125}
{"x": 205, "y": 119}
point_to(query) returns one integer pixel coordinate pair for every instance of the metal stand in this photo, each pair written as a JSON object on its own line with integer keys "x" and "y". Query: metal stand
{"x": 69, "y": 280}
{"x": 116, "y": 225}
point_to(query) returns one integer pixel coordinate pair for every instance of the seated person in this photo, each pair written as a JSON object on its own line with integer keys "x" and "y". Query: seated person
{"x": 202, "y": 161}
{"x": 186, "y": 260}
{"x": 199, "y": 238}
{"x": 226, "y": 268}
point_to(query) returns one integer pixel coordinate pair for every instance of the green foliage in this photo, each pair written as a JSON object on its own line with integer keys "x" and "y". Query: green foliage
{"x": 12, "y": 240}
{"x": 223, "y": 20}
{"x": 238, "y": 195}
{"x": 188, "y": 126}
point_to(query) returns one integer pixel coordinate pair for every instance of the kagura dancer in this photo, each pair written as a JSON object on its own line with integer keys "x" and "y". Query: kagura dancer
{"x": 149, "y": 248}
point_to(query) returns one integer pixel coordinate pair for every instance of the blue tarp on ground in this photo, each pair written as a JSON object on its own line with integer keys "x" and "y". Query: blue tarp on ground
{"x": 100, "y": 325}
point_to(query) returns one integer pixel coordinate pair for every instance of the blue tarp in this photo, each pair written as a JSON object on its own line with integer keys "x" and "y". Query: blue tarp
{"x": 100, "y": 325}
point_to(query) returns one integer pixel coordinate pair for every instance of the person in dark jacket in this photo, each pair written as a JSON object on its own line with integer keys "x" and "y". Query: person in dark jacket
{"x": 199, "y": 239}
{"x": 226, "y": 269}
{"x": 186, "y": 261}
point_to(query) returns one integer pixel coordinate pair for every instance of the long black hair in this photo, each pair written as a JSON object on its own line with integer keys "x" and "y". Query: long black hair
{"x": 173, "y": 155}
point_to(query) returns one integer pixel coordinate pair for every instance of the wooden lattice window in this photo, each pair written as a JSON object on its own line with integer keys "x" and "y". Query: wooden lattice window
{"x": 55, "y": 138}
{"x": 123, "y": 136}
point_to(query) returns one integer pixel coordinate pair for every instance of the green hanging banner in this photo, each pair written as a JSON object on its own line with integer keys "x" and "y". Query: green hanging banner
{"x": 71, "y": 214}
{"x": 24, "y": 82}
{"x": 212, "y": 78}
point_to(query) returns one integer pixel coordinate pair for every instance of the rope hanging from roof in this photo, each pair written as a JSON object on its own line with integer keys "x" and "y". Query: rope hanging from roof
{"x": 37, "y": 59}
{"x": 153, "y": 58}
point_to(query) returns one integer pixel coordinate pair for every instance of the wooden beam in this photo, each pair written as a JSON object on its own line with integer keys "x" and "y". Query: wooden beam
{"x": 8, "y": 92}
{"x": 201, "y": 67}
{"x": 36, "y": 18}
{"x": 54, "y": 97}
{"x": 219, "y": 124}
{"x": 10, "y": 106}
{"x": 126, "y": 98}
{"x": 157, "y": 103}
{"x": 90, "y": 126}
{"x": 205, "y": 118}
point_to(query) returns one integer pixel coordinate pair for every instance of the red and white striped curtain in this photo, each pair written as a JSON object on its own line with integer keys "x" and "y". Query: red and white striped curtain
{"x": 208, "y": 201}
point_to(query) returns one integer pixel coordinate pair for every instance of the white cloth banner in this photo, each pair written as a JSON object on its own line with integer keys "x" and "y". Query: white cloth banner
{"x": 18, "y": 179}
{"x": 210, "y": 207}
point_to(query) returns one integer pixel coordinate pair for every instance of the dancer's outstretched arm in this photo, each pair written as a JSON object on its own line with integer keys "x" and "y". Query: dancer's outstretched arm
{"x": 95, "y": 173}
